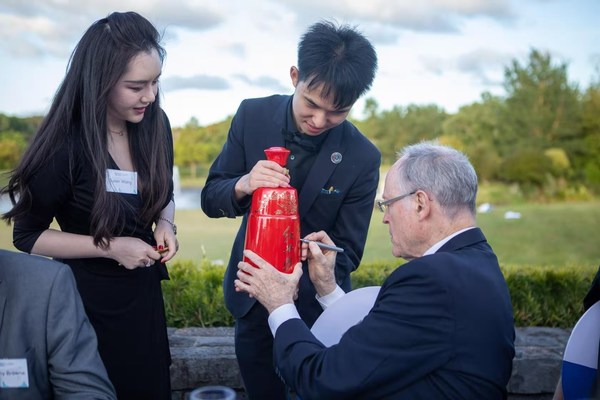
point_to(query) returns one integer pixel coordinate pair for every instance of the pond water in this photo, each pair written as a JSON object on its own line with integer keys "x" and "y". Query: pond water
{"x": 187, "y": 199}
{"x": 4, "y": 204}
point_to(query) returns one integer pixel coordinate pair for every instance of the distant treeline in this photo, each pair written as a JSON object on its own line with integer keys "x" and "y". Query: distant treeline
{"x": 542, "y": 137}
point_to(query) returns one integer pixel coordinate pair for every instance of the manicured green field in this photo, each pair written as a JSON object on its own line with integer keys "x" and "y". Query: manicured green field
{"x": 550, "y": 234}
{"x": 546, "y": 234}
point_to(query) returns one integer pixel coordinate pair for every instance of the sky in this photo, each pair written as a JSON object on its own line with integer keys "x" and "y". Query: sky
{"x": 219, "y": 52}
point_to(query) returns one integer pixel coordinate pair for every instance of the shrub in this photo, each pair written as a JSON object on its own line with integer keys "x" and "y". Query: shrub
{"x": 194, "y": 295}
{"x": 547, "y": 296}
{"x": 373, "y": 274}
{"x": 541, "y": 296}
{"x": 527, "y": 167}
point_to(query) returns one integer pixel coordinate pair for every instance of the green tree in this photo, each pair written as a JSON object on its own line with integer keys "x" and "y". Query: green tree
{"x": 542, "y": 107}
{"x": 25, "y": 126}
{"x": 392, "y": 129}
{"x": 561, "y": 166}
{"x": 529, "y": 167}
{"x": 423, "y": 122}
{"x": 188, "y": 146}
{"x": 371, "y": 108}
{"x": 370, "y": 126}
{"x": 197, "y": 146}
{"x": 478, "y": 128}
{"x": 588, "y": 159}
{"x": 12, "y": 146}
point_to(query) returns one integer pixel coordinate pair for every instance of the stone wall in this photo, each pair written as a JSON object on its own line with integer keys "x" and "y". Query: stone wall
{"x": 206, "y": 356}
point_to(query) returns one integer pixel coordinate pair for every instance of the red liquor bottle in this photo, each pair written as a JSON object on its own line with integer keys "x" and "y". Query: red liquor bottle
{"x": 273, "y": 229}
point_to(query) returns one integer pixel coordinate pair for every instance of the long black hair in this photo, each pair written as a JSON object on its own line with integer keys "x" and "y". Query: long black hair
{"x": 77, "y": 120}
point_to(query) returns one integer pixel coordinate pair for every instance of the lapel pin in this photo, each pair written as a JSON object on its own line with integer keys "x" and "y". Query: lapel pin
{"x": 336, "y": 157}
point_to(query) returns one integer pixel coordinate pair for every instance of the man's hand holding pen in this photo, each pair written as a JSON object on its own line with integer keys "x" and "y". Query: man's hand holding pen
{"x": 321, "y": 262}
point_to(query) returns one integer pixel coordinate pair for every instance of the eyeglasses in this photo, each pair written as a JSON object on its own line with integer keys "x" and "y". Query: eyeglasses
{"x": 383, "y": 204}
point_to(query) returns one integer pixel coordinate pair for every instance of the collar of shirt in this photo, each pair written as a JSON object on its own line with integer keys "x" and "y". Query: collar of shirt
{"x": 442, "y": 242}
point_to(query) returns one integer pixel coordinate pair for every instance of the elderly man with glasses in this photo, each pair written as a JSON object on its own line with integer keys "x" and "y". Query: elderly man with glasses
{"x": 442, "y": 324}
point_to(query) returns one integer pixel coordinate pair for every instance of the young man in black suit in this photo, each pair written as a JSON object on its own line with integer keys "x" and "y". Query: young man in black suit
{"x": 334, "y": 168}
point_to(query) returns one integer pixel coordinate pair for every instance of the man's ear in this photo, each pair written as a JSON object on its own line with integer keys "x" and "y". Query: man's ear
{"x": 423, "y": 204}
{"x": 294, "y": 75}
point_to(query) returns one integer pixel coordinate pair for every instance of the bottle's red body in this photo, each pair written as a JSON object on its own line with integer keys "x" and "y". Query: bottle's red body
{"x": 273, "y": 230}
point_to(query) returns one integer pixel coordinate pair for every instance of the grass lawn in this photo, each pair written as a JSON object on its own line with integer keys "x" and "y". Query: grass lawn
{"x": 550, "y": 234}
{"x": 546, "y": 234}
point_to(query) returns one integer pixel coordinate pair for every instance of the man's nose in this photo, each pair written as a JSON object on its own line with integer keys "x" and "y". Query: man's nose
{"x": 319, "y": 119}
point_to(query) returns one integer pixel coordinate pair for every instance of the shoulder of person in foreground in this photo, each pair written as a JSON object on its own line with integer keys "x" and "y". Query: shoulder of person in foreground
{"x": 68, "y": 350}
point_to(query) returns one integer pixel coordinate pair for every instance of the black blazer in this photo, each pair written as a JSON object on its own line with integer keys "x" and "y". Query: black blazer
{"x": 441, "y": 328}
{"x": 344, "y": 213}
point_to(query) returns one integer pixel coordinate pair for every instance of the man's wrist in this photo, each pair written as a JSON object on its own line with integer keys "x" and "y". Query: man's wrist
{"x": 274, "y": 306}
{"x": 241, "y": 188}
{"x": 325, "y": 288}
{"x": 330, "y": 298}
{"x": 281, "y": 314}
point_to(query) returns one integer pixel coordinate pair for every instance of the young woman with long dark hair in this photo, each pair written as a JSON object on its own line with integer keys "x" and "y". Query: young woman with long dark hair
{"x": 101, "y": 165}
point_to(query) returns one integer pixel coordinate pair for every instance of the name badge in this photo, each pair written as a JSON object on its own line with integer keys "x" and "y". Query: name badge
{"x": 121, "y": 181}
{"x": 13, "y": 373}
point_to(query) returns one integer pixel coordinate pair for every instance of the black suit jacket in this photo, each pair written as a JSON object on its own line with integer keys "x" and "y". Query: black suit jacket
{"x": 441, "y": 328}
{"x": 344, "y": 213}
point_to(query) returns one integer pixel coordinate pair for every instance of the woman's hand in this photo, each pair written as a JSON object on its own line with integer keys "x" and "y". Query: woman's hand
{"x": 132, "y": 252}
{"x": 166, "y": 241}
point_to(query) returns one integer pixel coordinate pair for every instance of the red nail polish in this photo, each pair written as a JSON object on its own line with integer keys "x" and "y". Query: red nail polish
{"x": 161, "y": 247}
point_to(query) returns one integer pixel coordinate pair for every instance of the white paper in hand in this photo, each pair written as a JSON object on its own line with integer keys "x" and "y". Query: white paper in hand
{"x": 343, "y": 314}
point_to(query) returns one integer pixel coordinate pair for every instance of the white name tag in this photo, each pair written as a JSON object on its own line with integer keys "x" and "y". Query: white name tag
{"x": 121, "y": 181}
{"x": 13, "y": 373}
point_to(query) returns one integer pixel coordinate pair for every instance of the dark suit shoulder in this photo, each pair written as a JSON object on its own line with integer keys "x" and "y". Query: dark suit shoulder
{"x": 421, "y": 269}
{"x": 353, "y": 136}
{"x": 264, "y": 102}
